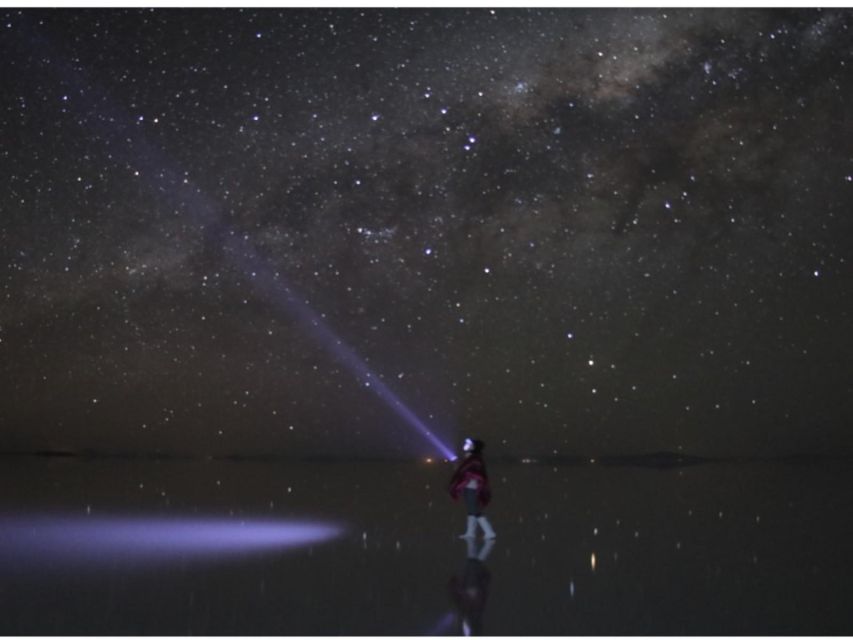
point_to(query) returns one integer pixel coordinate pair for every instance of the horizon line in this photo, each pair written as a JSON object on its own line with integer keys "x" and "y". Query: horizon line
{"x": 652, "y": 458}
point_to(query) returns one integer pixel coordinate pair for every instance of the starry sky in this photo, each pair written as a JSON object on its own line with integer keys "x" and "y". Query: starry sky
{"x": 564, "y": 231}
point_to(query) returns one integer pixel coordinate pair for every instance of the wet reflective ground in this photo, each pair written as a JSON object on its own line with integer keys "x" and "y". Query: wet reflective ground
{"x": 191, "y": 547}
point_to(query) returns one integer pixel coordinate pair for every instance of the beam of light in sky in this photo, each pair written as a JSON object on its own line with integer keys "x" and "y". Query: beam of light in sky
{"x": 175, "y": 189}
{"x": 274, "y": 289}
{"x": 63, "y": 539}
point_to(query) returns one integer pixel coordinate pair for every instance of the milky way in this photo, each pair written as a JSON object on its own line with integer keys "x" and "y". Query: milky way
{"x": 569, "y": 231}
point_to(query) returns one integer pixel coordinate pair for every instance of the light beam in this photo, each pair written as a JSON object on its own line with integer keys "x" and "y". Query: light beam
{"x": 176, "y": 190}
{"x": 35, "y": 539}
{"x": 275, "y": 290}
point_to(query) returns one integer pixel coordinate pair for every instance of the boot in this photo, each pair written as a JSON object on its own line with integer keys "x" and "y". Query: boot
{"x": 488, "y": 532}
{"x": 471, "y": 531}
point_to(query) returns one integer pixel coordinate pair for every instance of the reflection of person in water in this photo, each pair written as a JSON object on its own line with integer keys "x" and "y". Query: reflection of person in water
{"x": 470, "y": 589}
{"x": 472, "y": 482}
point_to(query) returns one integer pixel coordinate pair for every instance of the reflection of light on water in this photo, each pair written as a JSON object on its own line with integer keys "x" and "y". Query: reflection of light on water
{"x": 110, "y": 539}
{"x": 442, "y": 625}
{"x": 592, "y": 561}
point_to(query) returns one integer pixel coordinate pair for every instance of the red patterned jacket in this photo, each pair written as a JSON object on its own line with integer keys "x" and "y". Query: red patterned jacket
{"x": 470, "y": 468}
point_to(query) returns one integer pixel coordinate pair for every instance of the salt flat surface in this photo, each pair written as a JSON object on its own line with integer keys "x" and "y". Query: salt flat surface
{"x": 220, "y": 547}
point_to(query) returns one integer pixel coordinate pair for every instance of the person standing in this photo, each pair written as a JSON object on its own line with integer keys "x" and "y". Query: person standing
{"x": 471, "y": 481}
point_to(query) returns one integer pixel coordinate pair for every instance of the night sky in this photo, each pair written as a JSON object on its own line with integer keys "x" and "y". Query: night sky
{"x": 563, "y": 230}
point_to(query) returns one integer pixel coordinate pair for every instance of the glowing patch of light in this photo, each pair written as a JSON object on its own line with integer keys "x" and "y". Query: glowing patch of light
{"x": 443, "y": 624}
{"x": 62, "y": 539}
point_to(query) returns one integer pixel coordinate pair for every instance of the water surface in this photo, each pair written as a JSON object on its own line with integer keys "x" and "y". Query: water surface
{"x": 221, "y": 547}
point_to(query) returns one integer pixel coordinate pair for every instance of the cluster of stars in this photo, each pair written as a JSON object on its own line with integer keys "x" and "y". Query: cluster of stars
{"x": 482, "y": 205}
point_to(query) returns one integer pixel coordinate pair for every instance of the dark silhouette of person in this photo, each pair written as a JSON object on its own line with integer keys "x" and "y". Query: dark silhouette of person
{"x": 471, "y": 481}
{"x": 469, "y": 590}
